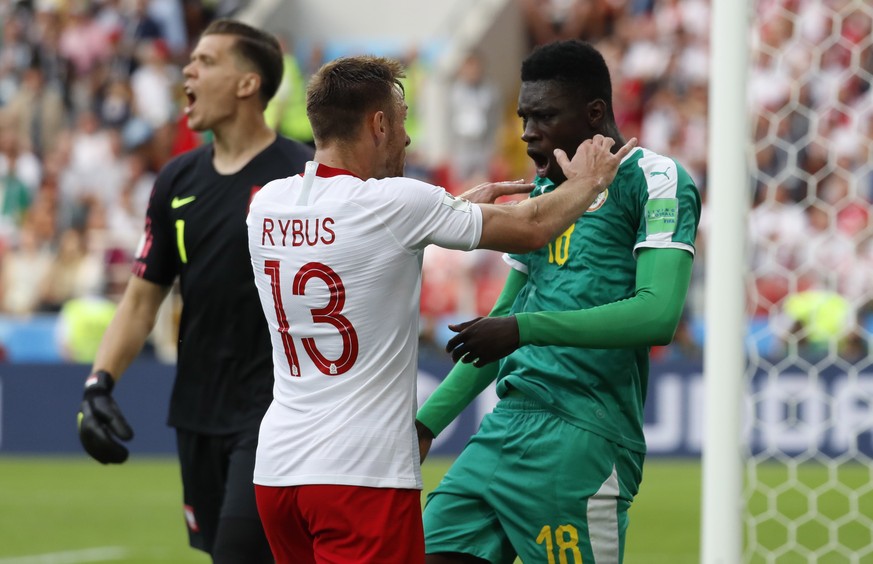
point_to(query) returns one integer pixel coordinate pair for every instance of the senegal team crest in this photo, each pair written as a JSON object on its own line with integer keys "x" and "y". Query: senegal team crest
{"x": 598, "y": 201}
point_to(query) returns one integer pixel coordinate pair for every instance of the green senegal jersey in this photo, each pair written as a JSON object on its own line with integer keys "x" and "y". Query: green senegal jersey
{"x": 651, "y": 204}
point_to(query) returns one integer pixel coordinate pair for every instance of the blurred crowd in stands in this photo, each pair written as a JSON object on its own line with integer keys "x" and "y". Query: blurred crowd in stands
{"x": 90, "y": 109}
{"x": 811, "y": 236}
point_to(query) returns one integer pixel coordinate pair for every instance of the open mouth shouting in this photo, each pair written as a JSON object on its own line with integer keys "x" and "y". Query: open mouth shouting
{"x": 192, "y": 100}
{"x": 542, "y": 161}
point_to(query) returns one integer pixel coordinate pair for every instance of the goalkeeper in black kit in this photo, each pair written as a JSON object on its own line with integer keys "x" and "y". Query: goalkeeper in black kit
{"x": 195, "y": 230}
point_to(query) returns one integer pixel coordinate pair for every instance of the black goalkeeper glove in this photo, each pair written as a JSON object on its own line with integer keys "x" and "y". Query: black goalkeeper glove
{"x": 100, "y": 419}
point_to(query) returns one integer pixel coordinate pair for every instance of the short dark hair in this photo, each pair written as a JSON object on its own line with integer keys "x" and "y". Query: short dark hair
{"x": 576, "y": 64}
{"x": 256, "y": 47}
{"x": 344, "y": 90}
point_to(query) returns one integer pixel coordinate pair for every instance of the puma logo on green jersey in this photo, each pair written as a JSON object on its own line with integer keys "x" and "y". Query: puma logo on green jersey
{"x": 655, "y": 173}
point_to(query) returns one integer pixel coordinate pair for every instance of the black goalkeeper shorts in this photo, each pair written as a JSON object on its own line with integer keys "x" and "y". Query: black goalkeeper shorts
{"x": 217, "y": 483}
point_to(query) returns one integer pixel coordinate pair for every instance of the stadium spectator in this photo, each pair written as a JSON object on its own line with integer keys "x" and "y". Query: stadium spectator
{"x": 109, "y": 16}
{"x": 38, "y": 110}
{"x": 776, "y": 233}
{"x": 138, "y": 27}
{"x": 169, "y": 16}
{"x": 573, "y": 326}
{"x": 73, "y": 273}
{"x": 46, "y": 38}
{"x": 553, "y": 20}
{"x": 19, "y": 174}
{"x": 154, "y": 84}
{"x": 418, "y": 68}
{"x": 125, "y": 213}
{"x": 337, "y": 469}
{"x": 14, "y": 202}
{"x": 22, "y": 271}
{"x": 195, "y": 230}
{"x": 474, "y": 113}
{"x": 818, "y": 323}
{"x": 93, "y": 170}
{"x": 114, "y": 103}
{"x": 123, "y": 223}
{"x": 82, "y": 41}
{"x": 81, "y": 323}
{"x": 16, "y": 160}
{"x": 15, "y": 57}
{"x": 286, "y": 112}
{"x": 48, "y": 215}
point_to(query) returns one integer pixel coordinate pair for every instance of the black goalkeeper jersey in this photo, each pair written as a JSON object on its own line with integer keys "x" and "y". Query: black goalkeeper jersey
{"x": 196, "y": 229}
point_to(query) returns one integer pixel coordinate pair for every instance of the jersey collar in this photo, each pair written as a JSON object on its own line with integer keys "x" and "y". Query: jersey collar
{"x": 325, "y": 171}
{"x": 542, "y": 185}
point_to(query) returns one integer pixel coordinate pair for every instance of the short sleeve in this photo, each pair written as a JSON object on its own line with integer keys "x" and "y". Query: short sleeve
{"x": 669, "y": 206}
{"x": 420, "y": 214}
{"x": 155, "y": 259}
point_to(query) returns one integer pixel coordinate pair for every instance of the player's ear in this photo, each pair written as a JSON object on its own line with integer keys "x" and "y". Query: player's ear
{"x": 596, "y": 113}
{"x": 378, "y": 124}
{"x": 249, "y": 85}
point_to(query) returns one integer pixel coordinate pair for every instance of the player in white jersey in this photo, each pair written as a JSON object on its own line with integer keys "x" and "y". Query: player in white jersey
{"x": 337, "y": 254}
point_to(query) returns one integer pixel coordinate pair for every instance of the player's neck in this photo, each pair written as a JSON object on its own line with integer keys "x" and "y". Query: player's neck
{"x": 348, "y": 158}
{"x": 611, "y": 130}
{"x": 238, "y": 143}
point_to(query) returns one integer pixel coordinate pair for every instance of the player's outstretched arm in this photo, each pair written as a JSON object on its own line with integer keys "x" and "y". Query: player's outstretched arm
{"x": 648, "y": 318}
{"x": 533, "y": 223}
{"x": 464, "y": 382}
{"x": 100, "y": 420}
{"x": 130, "y": 327}
{"x": 489, "y": 192}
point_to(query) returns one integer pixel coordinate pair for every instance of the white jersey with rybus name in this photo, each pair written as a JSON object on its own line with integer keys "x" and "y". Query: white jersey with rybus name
{"x": 337, "y": 263}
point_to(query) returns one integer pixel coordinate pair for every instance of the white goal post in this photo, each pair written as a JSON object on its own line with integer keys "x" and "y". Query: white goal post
{"x": 725, "y": 301}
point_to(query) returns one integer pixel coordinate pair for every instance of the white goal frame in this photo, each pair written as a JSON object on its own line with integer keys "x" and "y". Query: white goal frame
{"x": 725, "y": 303}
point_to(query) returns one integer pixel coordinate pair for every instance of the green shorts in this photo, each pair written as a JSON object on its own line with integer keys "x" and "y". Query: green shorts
{"x": 530, "y": 484}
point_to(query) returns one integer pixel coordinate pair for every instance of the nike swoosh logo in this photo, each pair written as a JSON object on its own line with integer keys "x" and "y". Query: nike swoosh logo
{"x": 179, "y": 202}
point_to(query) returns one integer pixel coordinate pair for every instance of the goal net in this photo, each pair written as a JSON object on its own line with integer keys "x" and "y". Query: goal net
{"x": 809, "y": 390}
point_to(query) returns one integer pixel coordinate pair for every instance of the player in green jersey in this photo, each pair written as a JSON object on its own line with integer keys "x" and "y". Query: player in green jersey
{"x": 552, "y": 471}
